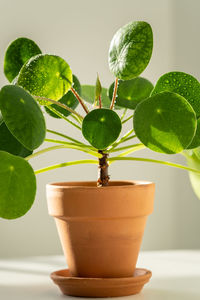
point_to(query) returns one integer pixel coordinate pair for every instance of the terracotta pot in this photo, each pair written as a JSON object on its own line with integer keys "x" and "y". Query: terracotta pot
{"x": 101, "y": 229}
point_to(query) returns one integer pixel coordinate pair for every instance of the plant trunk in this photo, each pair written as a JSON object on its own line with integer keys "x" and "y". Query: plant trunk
{"x": 103, "y": 179}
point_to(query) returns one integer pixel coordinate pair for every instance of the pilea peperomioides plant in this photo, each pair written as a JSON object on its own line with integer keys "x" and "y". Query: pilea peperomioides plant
{"x": 165, "y": 118}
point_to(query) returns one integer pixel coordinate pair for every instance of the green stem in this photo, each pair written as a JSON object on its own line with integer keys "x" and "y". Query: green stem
{"x": 154, "y": 161}
{"x": 121, "y": 140}
{"x": 129, "y": 138}
{"x": 124, "y": 113}
{"x": 65, "y": 136}
{"x": 131, "y": 150}
{"x": 44, "y": 151}
{"x": 76, "y": 118}
{"x": 59, "y": 104}
{"x": 63, "y": 117}
{"x": 70, "y": 163}
{"x": 126, "y": 120}
{"x": 126, "y": 147}
{"x": 88, "y": 147}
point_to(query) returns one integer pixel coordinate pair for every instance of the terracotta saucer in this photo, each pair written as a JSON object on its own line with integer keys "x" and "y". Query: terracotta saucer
{"x": 100, "y": 287}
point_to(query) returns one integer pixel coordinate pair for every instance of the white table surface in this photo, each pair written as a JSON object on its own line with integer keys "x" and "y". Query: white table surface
{"x": 176, "y": 276}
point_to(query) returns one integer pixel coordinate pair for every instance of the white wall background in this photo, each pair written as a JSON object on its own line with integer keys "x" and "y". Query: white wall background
{"x": 80, "y": 32}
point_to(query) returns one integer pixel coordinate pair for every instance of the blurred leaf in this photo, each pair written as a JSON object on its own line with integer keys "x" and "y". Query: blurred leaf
{"x": 101, "y": 127}
{"x": 47, "y": 76}
{"x": 193, "y": 160}
{"x": 165, "y": 122}
{"x": 130, "y": 50}
{"x": 10, "y": 144}
{"x": 131, "y": 92}
{"x": 17, "y": 54}
{"x": 183, "y": 84}
{"x": 68, "y": 99}
{"x": 22, "y": 116}
{"x": 18, "y": 186}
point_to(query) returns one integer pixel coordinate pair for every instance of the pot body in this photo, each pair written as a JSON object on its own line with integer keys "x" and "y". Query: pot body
{"x": 101, "y": 229}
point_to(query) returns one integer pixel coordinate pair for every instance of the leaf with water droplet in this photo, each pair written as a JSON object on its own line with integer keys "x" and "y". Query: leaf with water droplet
{"x": 17, "y": 54}
{"x": 47, "y": 76}
{"x": 183, "y": 84}
{"x": 130, "y": 50}
{"x": 165, "y": 122}
{"x": 68, "y": 99}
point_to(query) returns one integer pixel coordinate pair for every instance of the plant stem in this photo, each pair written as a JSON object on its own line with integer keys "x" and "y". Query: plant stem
{"x": 129, "y": 138}
{"x": 126, "y": 120}
{"x": 131, "y": 150}
{"x": 126, "y": 147}
{"x": 65, "y": 136}
{"x": 154, "y": 161}
{"x": 59, "y": 104}
{"x": 76, "y": 118}
{"x": 63, "y": 117}
{"x": 121, "y": 140}
{"x": 70, "y": 163}
{"x": 124, "y": 113}
{"x": 114, "y": 94}
{"x": 73, "y": 144}
{"x": 103, "y": 170}
{"x": 80, "y": 100}
{"x": 44, "y": 151}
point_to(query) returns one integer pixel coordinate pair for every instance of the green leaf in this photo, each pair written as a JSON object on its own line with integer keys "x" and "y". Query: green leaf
{"x": 68, "y": 99}
{"x": 165, "y": 122}
{"x": 193, "y": 160}
{"x": 47, "y": 76}
{"x": 101, "y": 127}
{"x": 22, "y": 116}
{"x": 131, "y": 92}
{"x": 10, "y": 144}
{"x": 18, "y": 186}
{"x": 88, "y": 94}
{"x": 17, "y": 54}
{"x": 196, "y": 139}
{"x": 130, "y": 50}
{"x": 98, "y": 90}
{"x": 183, "y": 84}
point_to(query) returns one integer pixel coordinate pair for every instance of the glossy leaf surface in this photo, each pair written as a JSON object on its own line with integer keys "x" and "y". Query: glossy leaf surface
{"x": 165, "y": 122}
{"x": 101, "y": 127}
{"x": 22, "y": 116}
{"x": 47, "y": 76}
{"x": 17, "y": 186}
{"x": 130, "y": 50}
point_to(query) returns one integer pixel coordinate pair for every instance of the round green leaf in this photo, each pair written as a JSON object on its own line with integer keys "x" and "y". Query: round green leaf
{"x": 18, "y": 186}
{"x": 10, "y": 144}
{"x": 131, "y": 92}
{"x": 196, "y": 139}
{"x": 22, "y": 116}
{"x": 47, "y": 76}
{"x": 130, "y": 50}
{"x": 17, "y": 54}
{"x": 183, "y": 84}
{"x": 101, "y": 127}
{"x": 165, "y": 122}
{"x": 68, "y": 99}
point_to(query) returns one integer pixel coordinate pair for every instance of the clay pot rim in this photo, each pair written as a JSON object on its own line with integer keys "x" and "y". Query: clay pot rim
{"x": 114, "y": 184}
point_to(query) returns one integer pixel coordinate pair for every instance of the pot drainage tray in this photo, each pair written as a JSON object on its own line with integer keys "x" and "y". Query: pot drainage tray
{"x": 100, "y": 287}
